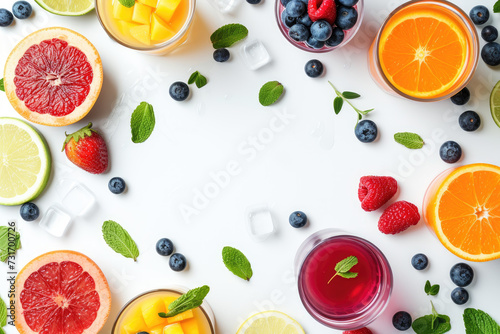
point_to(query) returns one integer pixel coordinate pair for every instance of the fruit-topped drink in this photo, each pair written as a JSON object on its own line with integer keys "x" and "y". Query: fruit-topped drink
{"x": 151, "y": 26}
{"x": 344, "y": 281}
{"x": 426, "y": 50}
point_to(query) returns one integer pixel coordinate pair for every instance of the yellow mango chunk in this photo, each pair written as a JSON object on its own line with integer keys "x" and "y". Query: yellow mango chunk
{"x": 150, "y": 3}
{"x": 125, "y": 27}
{"x": 121, "y": 12}
{"x": 157, "y": 330}
{"x": 151, "y": 307}
{"x": 168, "y": 301}
{"x": 135, "y": 324}
{"x": 160, "y": 31}
{"x": 181, "y": 316}
{"x": 190, "y": 326}
{"x": 173, "y": 329}
{"x": 166, "y": 9}
{"x": 141, "y": 33}
{"x": 142, "y": 13}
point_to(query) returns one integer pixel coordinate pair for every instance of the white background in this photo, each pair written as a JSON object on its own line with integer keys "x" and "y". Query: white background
{"x": 312, "y": 164}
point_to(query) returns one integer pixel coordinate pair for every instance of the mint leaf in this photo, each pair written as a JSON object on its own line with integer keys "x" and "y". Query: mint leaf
{"x": 350, "y": 95}
{"x": 270, "y": 93}
{"x": 342, "y": 268}
{"x": 227, "y": 35}
{"x": 2, "y": 88}
{"x": 5, "y": 233}
{"x": 479, "y": 322}
{"x": 190, "y": 300}
{"x": 142, "y": 122}
{"x": 348, "y": 275}
{"x": 427, "y": 287}
{"x": 197, "y": 78}
{"x": 193, "y": 77}
{"x": 345, "y": 97}
{"x": 3, "y": 313}
{"x": 338, "y": 102}
{"x": 237, "y": 263}
{"x": 430, "y": 289}
{"x": 496, "y": 7}
{"x": 127, "y": 3}
{"x": 119, "y": 240}
{"x": 432, "y": 324}
{"x": 410, "y": 140}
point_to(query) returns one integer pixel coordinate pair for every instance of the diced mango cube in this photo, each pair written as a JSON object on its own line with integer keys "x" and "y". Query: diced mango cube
{"x": 181, "y": 316}
{"x": 120, "y": 12}
{"x": 135, "y": 324}
{"x": 141, "y": 33}
{"x": 166, "y": 9}
{"x": 160, "y": 31}
{"x": 150, "y": 3}
{"x": 173, "y": 329}
{"x": 168, "y": 301}
{"x": 190, "y": 326}
{"x": 151, "y": 307}
{"x": 142, "y": 13}
{"x": 157, "y": 330}
{"x": 125, "y": 27}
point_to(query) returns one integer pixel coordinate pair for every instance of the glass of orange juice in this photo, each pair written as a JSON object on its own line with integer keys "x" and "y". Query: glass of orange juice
{"x": 426, "y": 50}
{"x": 141, "y": 315}
{"x": 150, "y": 26}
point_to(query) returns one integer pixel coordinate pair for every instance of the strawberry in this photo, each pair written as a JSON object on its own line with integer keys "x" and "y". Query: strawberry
{"x": 86, "y": 149}
{"x": 375, "y": 191}
{"x": 363, "y": 330}
{"x": 322, "y": 10}
{"x": 398, "y": 217}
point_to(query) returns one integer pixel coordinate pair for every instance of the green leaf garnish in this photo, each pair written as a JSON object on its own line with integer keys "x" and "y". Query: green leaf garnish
{"x": 197, "y": 78}
{"x": 343, "y": 268}
{"x": 350, "y": 95}
{"x": 190, "y": 300}
{"x": 431, "y": 290}
{"x": 496, "y": 7}
{"x": 127, "y": 3}
{"x": 338, "y": 102}
{"x": 2, "y": 88}
{"x": 227, "y": 35}
{"x": 409, "y": 139}
{"x": 270, "y": 93}
{"x": 5, "y": 250}
{"x": 237, "y": 263}
{"x": 3, "y": 313}
{"x": 119, "y": 240}
{"x": 432, "y": 324}
{"x": 479, "y": 322}
{"x": 142, "y": 122}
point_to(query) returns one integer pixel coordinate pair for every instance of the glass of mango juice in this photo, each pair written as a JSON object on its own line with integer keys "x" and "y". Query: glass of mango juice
{"x": 141, "y": 315}
{"x": 150, "y": 26}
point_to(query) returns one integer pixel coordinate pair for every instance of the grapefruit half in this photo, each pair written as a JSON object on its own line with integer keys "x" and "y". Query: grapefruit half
{"x": 61, "y": 292}
{"x": 53, "y": 77}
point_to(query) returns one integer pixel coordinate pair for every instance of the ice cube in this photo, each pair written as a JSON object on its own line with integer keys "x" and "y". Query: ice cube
{"x": 55, "y": 221}
{"x": 259, "y": 221}
{"x": 78, "y": 200}
{"x": 224, "y": 6}
{"x": 255, "y": 54}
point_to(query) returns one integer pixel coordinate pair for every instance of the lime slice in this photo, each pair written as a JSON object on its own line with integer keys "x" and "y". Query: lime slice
{"x": 67, "y": 7}
{"x": 495, "y": 103}
{"x": 270, "y": 322}
{"x": 24, "y": 162}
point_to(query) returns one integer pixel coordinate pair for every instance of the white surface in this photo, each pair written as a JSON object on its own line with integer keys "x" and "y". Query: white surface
{"x": 295, "y": 155}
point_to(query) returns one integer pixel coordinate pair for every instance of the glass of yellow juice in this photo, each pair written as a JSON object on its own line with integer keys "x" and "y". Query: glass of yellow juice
{"x": 426, "y": 50}
{"x": 150, "y": 26}
{"x": 141, "y": 315}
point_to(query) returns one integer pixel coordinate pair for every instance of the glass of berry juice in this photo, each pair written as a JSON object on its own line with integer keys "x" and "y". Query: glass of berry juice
{"x": 337, "y": 298}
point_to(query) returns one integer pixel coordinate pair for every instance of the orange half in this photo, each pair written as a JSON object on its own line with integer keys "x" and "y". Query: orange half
{"x": 465, "y": 212}
{"x": 423, "y": 52}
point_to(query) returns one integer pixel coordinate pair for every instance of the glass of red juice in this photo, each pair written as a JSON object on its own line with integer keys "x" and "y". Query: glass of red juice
{"x": 333, "y": 300}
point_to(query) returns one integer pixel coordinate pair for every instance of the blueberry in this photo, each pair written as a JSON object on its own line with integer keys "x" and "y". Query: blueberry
{"x": 254, "y": 2}
{"x": 489, "y": 33}
{"x": 348, "y": 3}
{"x": 177, "y": 262}
{"x": 164, "y": 247}
{"x": 285, "y": 2}
{"x": 305, "y": 20}
{"x": 142, "y": 332}
{"x": 401, "y": 320}
{"x": 469, "y": 121}
{"x": 479, "y": 15}
{"x": 419, "y": 261}
{"x": 299, "y": 32}
{"x": 314, "y": 43}
{"x": 459, "y": 296}
{"x": 22, "y": 10}
{"x": 295, "y": 8}
{"x": 321, "y": 30}
{"x": 366, "y": 131}
{"x": 462, "y": 97}
{"x": 313, "y": 68}
{"x": 288, "y": 21}
{"x": 346, "y": 17}
{"x": 336, "y": 38}
{"x": 298, "y": 219}
{"x": 29, "y": 212}
{"x": 179, "y": 91}
{"x": 491, "y": 53}
{"x": 450, "y": 152}
{"x": 221, "y": 55}
{"x": 461, "y": 274}
{"x": 6, "y": 18}
{"x": 116, "y": 185}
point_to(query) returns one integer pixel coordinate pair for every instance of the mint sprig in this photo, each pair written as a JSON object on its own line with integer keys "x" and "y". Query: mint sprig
{"x": 237, "y": 263}
{"x": 190, "y": 300}
{"x": 338, "y": 102}
{"x": 270, "y": 92}
{"x": 496, "y": 7}
{"x": 127, "y": 3}
{"x": 142, "y": 122}
{"x": 2, "y": 88}
{"x": 198, "y": 79}
{"x": 433, "y": 323}
{"x": 479, "y": 322}
{"x": 343, "y": 268}
{"x": 227, "y": 35}
{"x": 119, "y": 240}
{"x": 409, "y": 140}
{"x": 431, "y": 290}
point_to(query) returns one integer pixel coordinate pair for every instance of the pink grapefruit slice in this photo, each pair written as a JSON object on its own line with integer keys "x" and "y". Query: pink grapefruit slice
{"x": 53, "y": 77}
{"x": 61, "y": 292}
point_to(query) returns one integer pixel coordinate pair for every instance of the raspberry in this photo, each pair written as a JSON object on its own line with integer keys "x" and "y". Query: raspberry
{"x": 375, "y": 191}
{"x": 363, "y": 330}
{"x": 398, "y": 217}
{"x": 322, "y": 10}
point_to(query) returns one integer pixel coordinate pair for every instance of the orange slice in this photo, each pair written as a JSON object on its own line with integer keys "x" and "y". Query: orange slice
{"x": 422, "y": 52}
{"x": 465, "y": 212}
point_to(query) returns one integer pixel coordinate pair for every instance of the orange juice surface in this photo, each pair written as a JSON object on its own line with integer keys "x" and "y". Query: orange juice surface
{"x": 142, "y": 316}
{"x": 425, "y": 50}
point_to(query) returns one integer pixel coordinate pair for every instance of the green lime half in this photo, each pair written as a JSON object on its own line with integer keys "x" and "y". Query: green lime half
{"x": 24, "y": 162}
{"x": 67, "y": 7}
{"x": 495, "y": 103}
